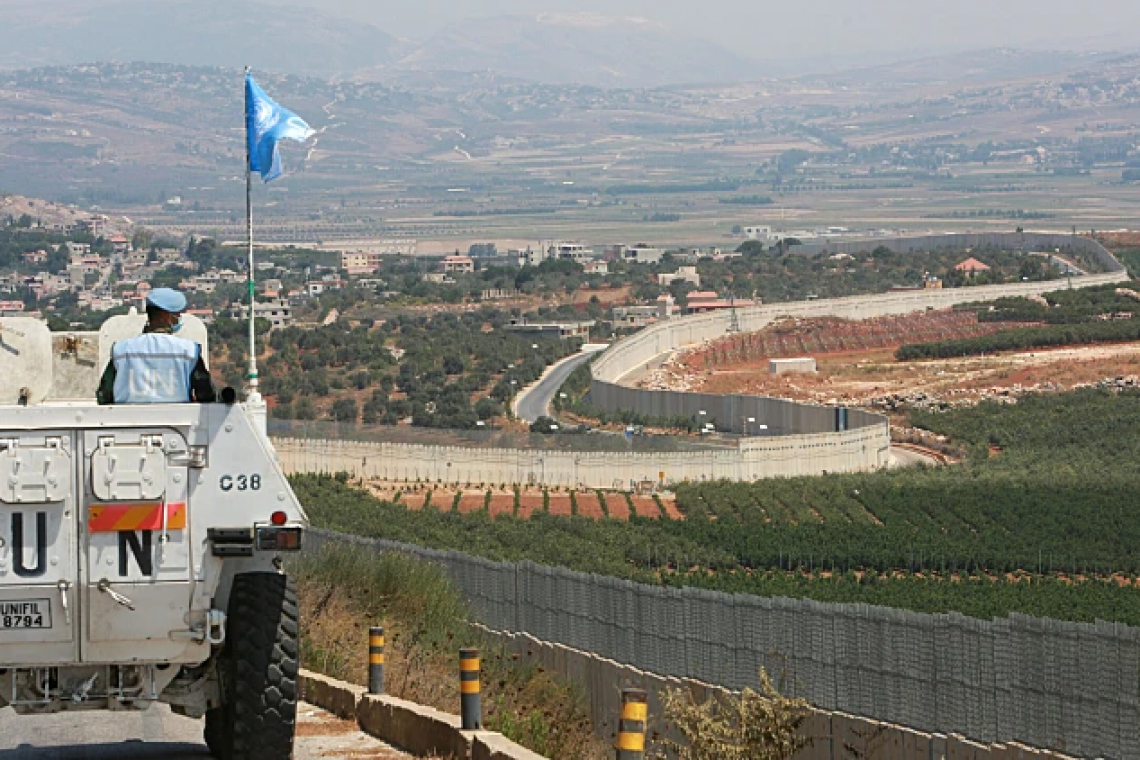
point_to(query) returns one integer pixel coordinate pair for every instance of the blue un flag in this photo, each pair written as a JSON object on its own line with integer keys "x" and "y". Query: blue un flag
{"x": 266, "y": 123}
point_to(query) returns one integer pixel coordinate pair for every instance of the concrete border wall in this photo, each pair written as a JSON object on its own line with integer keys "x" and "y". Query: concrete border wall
{"x": 772, "y": 456}
{"x": 627, "y": 359}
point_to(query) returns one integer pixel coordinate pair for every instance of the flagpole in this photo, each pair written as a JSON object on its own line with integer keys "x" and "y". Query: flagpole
{"x": 254, "y": 395}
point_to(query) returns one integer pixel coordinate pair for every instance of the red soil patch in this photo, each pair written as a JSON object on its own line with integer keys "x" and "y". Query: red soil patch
{"x": 823, "y": 336}
{"x": 559, "y": 504}
{"x": 503, "y": 504}
{"x": 529, "y": 503}
{"x": 588, "y": 504}
{"x": 645, "y": 506}
{"x": 617, "y": 505}
{"x": 472, "y": 501}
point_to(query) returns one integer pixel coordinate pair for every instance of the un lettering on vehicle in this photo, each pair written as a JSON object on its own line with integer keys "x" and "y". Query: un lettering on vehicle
{"x": 36, "y": 544}
{"x": 136, "y": 556}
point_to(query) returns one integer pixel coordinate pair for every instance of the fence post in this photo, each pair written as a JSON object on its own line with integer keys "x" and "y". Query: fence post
{"x": 471, "y": 709}
{"x": 376, "y": 659}
{"x": 631, "y": 727}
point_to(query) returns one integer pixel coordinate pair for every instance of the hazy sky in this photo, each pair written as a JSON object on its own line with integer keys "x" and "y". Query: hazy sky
{"x": 788, "y": 28}
{"x": 799, "y": 27}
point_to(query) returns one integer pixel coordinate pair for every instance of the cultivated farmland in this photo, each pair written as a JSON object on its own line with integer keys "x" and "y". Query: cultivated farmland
{"x": 1039, "y": 518}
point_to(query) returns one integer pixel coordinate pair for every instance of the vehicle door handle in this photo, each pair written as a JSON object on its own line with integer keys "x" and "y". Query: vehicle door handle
{"x": 63, "y": 588}
{"x": 105, "y": 586}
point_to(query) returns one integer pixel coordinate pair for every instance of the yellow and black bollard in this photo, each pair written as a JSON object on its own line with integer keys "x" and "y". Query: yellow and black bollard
{"x": 376, "y": 659}
{"x": 631, "y": 727}
{"x": 471, "y": 708}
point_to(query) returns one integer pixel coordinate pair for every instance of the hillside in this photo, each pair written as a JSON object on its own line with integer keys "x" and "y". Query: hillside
{"x": 579, "y": 48}
{"x": 975, "y": 67}
{"x": 54, "y": 215}
{"x": 201, "y": 33}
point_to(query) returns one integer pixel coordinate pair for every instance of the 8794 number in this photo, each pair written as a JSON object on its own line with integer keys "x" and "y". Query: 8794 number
{"x": 22, "y": 621}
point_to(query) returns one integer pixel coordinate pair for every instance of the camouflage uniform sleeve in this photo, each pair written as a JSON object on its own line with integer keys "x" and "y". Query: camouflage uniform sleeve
{"x": 201, "y": 384}
{"x": 105, "y": 394}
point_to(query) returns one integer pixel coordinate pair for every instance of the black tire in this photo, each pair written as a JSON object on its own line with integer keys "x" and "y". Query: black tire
{"x": 216, "y": 732}
{"x": 259, "y": 670}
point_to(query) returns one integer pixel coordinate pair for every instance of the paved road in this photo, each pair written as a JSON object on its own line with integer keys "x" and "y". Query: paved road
{"x": 534, "y": 402}
{"x": 157, "y": 734}
{"x": 908, "y": 458}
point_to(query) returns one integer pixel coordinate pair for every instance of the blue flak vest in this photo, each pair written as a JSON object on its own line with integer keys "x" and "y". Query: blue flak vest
{"x": 154, "y": 368}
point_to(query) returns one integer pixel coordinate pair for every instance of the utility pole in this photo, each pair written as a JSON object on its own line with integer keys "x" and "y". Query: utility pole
{"x": 733, "y": 320}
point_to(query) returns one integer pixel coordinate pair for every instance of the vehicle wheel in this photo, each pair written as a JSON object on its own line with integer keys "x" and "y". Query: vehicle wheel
{"x": 216, "y": 732}
{"x": 260, "y": 669}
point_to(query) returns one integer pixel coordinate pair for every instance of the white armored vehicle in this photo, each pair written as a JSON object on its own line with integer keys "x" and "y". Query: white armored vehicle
{"x": 141, "y": 548}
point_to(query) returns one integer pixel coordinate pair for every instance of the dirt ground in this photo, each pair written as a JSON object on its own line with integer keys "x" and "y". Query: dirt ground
{"x": 873, "y": 377}
{"x": 868, "y": 378}
{"x": 590, "y": 503}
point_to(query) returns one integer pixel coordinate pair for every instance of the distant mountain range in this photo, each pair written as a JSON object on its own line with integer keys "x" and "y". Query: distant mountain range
{"x": 582, "y": 49}
{"x": 225, "y": 33}
{"x": 972, "y": 67}
{"x": 553, "y": 48}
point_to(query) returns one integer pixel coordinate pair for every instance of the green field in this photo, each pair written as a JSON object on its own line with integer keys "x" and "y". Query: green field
{"x": 1046, "y": 527}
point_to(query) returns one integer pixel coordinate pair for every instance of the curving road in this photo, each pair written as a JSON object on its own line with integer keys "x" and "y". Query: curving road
{"x": 158, "y": 734}
{"x": 534, "y": 401}
{"x": 901, "y": 457}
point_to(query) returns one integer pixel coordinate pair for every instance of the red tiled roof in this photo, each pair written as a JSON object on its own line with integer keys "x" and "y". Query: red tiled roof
{"x": 972, "y": 265}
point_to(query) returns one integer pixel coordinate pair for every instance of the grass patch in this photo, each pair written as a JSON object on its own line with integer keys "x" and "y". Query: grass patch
{"x": 343, "y": 590}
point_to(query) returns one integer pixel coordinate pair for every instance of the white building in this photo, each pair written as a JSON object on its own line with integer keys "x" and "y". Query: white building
{"x": 316, "y": 287}
{"x": 561, "y": 330}
{"x": 758, "y": 233}
{"x": 683, "y": 274}
{"x": 571, "y": 252}
{"x": 278, "y": 312}
{"x": 458, "y": 263}
{"x": 636, "y": 317}
{"x": 642, "y": 254}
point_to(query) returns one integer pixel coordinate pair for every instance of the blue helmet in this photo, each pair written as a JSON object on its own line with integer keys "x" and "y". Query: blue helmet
{"x": 167, "y": 299}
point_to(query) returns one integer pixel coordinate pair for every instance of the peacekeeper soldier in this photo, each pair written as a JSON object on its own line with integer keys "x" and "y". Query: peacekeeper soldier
{"x": 157, "y": 367}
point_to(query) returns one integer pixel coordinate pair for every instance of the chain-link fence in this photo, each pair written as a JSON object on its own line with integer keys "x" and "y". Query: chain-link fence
{"x": 1068, "y": 686}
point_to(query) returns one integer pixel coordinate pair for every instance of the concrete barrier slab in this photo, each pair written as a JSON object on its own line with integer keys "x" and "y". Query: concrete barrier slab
{"x": 414, "y": 728}
{"x": 338, "y": 697}
{"x": 486, "y": 745}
